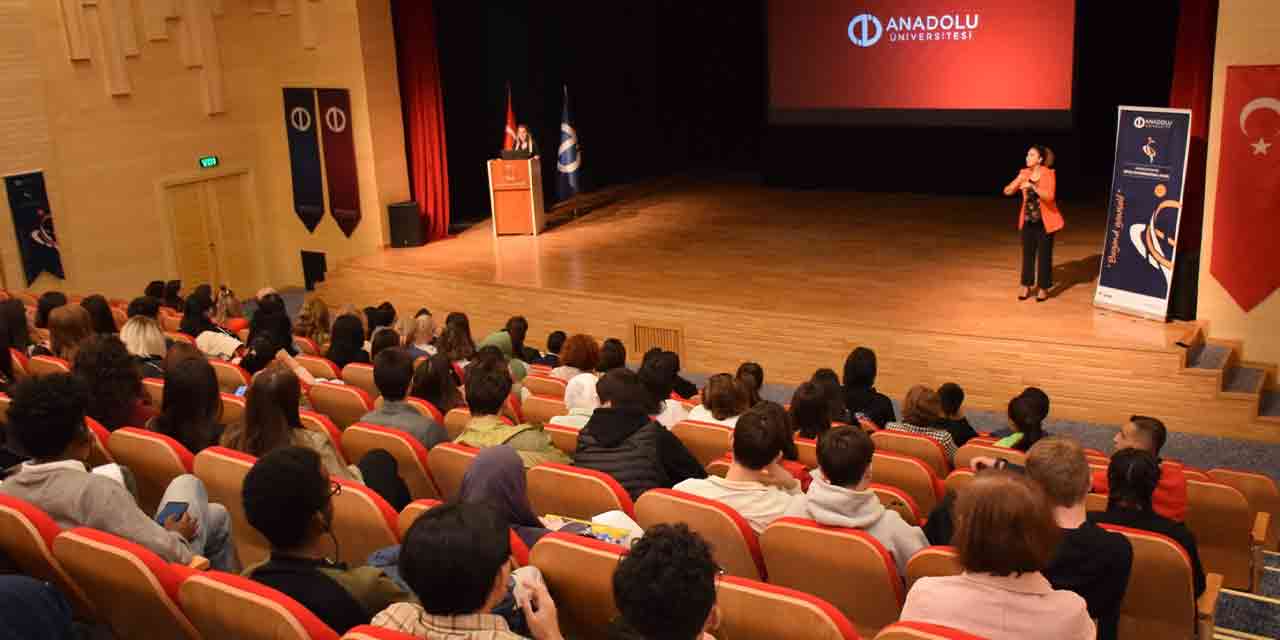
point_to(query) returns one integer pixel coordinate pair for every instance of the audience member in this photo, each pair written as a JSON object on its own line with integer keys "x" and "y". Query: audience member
{"x": 496, "y": 478}
{"x": 13, "y": 314}
{"x": 313, "y": 321}
{"x": 1149, "y": 434}
{"x": 613, "y": 354}
{"x": 45, "y": 304}
{"x": 100, "y": 317}
{"x": 810, "y": 411}
{"x": 383, "y": 339}
{"x": 756, "y": 486}
{"x": 456, "y": 344}
{"x": 623, "y": 441}
{"x": 154, "y": 289}
{"x": 69, "y": 327}
{"x": 1005, "y": 536}
{"x": 723, "y": 400}
{"x": 828, "y": 384}
{"x": 580, "y": 354}
{"x": 555, "y": 342}
{"x": 144, "y": 339}
{"x": 683, "y": 388}
{"x": 750, "y": 376}
{"x": 658, "y": 374}
{"x": 457, "y": 560}
{"x": 501, "y": 341}
{"x": 1090, "y": 560}
{"x": 144, "y": 306}
{"x": 1039, "y": 400}
{"x": 921, "y": 410}
{"x": 433, "y": 382}
{"x": 1026, "y": 423}
{"x": 1133, "y": 476}
{"x": 953, "y": 419}
{"x": 581, "y": 400}
{"x": 487, "y": 391}
{"x": 392, "y": 373}
{"x": 518, "y": 328}
{"x": 778, "y": 418}
{"x": 228, "y": 313}
{"x": 860, "y": 395}
{"x": 347, "y": 342}
{"x": 116, "y": 398}
{"x": 192, "y": 409}
{"x": 179, "y": 351}
{"x": 288, "y": 497}
{"x": 6, "y": 360}
{"x": 420, "y": 340}
{"x": 46, "y": 419}
{"x": 31, "y": 608}
{"x": 665, "y": 587}
{"x": 841, "y": 496}
{"x": 271, "y": 319}
{"x": 172, "y": 297}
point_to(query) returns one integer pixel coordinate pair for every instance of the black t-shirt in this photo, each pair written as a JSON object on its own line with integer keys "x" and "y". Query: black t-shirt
{"x": 961, "y": 431}
{"x": 1149, "y": 521}
{"x": 877, "y": 406}
{"x": 1094, "y": 563}
{"x": 301, "y": 579}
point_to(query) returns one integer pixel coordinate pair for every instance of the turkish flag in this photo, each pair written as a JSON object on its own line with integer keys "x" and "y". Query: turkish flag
{"x": 1246, "y": 236}
{"x": 509, "y": 139}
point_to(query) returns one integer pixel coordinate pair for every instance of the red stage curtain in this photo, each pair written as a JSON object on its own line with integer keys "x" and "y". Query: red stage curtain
{"x": 1193, "y": 89}
{"x": 423, "y": 98}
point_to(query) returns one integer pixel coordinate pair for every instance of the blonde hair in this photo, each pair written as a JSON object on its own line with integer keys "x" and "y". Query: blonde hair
{"x": 143, "y": 337}
{"x": 313, "y": 320}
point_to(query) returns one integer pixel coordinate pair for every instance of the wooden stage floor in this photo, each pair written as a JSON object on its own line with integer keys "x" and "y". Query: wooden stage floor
{"x": 795, "y": 279}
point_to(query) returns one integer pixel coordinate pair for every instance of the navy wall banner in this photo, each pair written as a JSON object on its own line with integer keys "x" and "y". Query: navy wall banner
{"x": 340, "y": 157}
{"x": 33, "y": 225}
{"x": 1139, "y": 249}
{"x": 304, "y": 155}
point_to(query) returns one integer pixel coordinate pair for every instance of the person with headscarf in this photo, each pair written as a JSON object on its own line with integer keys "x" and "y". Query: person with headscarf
{"x": 502, "y": 340}
{"x": 497, "y": 478}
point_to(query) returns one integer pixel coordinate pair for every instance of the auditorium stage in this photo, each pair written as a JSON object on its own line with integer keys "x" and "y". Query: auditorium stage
{"x": 727, "y": 272}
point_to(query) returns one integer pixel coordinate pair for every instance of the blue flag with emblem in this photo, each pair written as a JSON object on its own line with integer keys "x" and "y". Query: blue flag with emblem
{"x": 569, "y": 158}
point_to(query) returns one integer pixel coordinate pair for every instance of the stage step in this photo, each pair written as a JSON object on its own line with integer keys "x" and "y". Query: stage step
{"x": 1243, "y": 380}
{"x": 1270, "y": 407}
{"x": 1208, "y": 356}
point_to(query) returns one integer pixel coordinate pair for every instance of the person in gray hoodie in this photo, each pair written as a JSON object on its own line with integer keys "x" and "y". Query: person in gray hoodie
{"x": 840, "y": 496}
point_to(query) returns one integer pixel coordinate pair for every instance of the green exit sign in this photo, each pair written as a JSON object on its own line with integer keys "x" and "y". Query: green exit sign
{"x": 208, "y": 162}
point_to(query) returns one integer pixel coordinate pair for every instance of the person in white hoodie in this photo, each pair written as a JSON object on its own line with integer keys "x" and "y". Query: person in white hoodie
{"x": 840, "y": 496}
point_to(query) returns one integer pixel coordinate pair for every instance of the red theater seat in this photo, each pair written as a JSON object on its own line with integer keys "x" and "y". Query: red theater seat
{"x": 736, "y": 548}
{"x": 26, "y": 537}
{"x": 343, "y": 403}
{"x": 575, "y": 492}
{"x": 751, "y": 609}
{"x": 154, "y": 458}
{"x": 225, "y": 606}
{"x": 411, "y": 457}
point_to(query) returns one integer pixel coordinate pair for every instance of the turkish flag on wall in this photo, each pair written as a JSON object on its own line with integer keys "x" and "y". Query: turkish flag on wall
{"x": 1246, "y": 236}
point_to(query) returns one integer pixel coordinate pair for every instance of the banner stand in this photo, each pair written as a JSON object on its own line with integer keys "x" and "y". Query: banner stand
{"x": 1139, "y": 248}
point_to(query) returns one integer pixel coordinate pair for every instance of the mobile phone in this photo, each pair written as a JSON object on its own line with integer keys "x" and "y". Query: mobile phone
{"x": 860, "y": 415}
{"x": 172, "y": 510}
{"x": 240, "y": 390}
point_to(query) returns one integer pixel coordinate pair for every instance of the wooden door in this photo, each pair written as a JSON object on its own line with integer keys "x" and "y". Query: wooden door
{"x": 213, "y": 234}
{"x": 235, "y": 251}
{"x": 189, "y": 212}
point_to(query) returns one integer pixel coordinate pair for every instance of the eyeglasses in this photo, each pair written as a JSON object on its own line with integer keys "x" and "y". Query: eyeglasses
{"x": 335, "y": 488}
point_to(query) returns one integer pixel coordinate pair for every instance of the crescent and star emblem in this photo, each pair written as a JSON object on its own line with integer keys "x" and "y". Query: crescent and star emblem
{"x": 1261, "y": 147}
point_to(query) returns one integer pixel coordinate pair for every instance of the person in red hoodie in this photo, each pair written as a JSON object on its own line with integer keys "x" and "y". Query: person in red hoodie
{"x": 1149, "y": 434}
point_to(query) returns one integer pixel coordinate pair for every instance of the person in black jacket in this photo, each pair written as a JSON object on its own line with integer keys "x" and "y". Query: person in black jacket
{"x": 1133, "y": 475}
{"x": 860, "y": 395}
{"x": 1091, "y": 561}
{"x": 953, "y": 419}
{"x": 622, "y": 440}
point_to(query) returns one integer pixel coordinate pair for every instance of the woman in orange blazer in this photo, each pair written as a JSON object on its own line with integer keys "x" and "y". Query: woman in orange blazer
{"x": 1038, "y": 220}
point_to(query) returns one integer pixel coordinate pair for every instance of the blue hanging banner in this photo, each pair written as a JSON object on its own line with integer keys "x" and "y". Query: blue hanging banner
{"x": 1141, "y": 240}
{"x": 33, "y": 225}
{"x": 304, "y": 155}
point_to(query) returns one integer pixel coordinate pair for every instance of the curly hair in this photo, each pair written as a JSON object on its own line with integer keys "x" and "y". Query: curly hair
{"x": 46, "y": 414}
{"x": 115, "y": 387}
{"x": 666, "y": 586}
{"x": 580, "y": 351}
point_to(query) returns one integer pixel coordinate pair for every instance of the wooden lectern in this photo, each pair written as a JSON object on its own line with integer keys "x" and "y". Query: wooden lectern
{"x": 515, "y": 196}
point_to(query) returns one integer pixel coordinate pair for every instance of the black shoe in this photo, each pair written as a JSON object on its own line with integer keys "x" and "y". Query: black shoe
{"x": 1025, "y": 295}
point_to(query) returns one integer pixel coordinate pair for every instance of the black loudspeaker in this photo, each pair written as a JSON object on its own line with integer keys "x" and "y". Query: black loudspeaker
{"x": 314, "y": 267}
{"x": 406, "y": 226}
